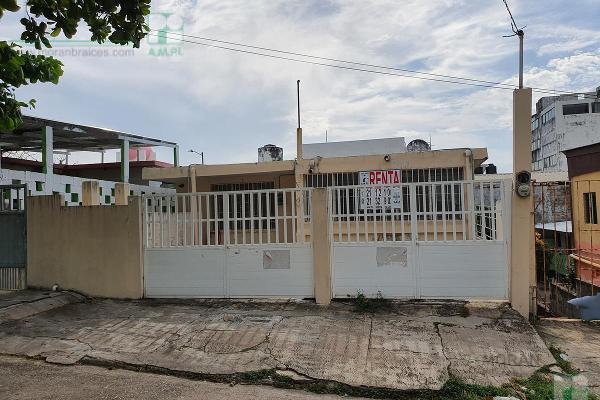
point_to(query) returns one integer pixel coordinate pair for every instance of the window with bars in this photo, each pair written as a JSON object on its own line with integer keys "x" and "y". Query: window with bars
{"x": 230, "y": 187}
{"x": 408, "y": 176}
{"x": 590, "y": 210}
{"x": 350, "y": 200}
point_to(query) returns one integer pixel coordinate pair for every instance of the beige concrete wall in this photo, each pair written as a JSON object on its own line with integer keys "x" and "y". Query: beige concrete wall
{"x": 93, "y": 250}
{"x": 522, "y": 227}
{"x": 429, "y": 159}
{"x": 282, "y": 172}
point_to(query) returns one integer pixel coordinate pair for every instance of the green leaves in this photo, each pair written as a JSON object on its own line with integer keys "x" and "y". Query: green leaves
{"x": 9, "y": 5}
{"x": 119, "y": 21}
{"x": 19, "y": 68}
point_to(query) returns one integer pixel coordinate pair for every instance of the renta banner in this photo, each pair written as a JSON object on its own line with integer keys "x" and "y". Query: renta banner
{"x": 386, "y": 177}
{"x": 374, "y": 196}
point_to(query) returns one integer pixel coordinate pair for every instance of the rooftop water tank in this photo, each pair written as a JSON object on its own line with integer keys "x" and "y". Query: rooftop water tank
{"x": 418, "y": 145}
{"x": 270, "y": 152}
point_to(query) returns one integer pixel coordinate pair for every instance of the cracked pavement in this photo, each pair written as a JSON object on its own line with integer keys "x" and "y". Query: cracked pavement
{"x": 579, "y": 340}
{"x": 409, "y": 345}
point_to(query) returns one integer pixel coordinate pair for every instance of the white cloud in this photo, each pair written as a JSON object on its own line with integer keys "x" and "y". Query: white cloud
{"x": 227, "y": 104}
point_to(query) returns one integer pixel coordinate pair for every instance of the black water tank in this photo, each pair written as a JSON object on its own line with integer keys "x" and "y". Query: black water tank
{"x": 491, "y": 169}
{"x": 479, "y": 171}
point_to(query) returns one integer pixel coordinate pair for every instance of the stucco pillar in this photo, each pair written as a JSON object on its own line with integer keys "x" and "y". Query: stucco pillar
{"x": 299, "y": 148}
{"x": 321, "y": 246}
{"x": 522, "y": 279}
{"x": 121, "y": 193}
{"x": 90, "y": 195}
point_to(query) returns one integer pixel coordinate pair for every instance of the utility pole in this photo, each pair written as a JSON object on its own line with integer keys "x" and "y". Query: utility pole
{"x": 521, "y": 34}
{"x": 299, "y": 151}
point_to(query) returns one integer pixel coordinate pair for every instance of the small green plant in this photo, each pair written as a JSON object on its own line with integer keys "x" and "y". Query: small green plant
{"x": 363, "y": 303}
{"x": 561, "y": 362}
{"x": 540, "y": 386}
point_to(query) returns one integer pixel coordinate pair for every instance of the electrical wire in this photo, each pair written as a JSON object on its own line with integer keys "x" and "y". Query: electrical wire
{"x": 338, "y": 60}
{"x": 428, "y": 76}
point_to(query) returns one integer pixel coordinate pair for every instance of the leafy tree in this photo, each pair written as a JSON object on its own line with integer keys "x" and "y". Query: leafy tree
{"x": 119, "y": 21}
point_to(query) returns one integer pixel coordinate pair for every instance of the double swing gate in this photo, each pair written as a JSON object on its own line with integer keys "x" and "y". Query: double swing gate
{"x": 421, "y": 240}
{"x": 414, "y": 240}
{"x": 252, "y": 243}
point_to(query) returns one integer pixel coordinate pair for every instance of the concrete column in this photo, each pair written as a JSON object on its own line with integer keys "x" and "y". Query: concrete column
{"x": 522, "y": 277}
{"x": 48, "y": 151}
{"x": 194, "y": 204}
{"x": 125, "y": 161}
{"x": 299, "y": 150}
{"x": 469, "y": 190}
{"x": 90, "y": 193}
{"x": 121, "y": 193}
{"x": 321, "y": 246}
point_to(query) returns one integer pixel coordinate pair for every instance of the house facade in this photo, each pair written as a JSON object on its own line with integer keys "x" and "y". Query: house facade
{"x": 584, "y": 173}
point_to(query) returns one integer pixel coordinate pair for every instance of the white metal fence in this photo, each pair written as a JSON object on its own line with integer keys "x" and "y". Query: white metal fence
{"x": 432, "y": 211}
{"x": 276, "y": 216}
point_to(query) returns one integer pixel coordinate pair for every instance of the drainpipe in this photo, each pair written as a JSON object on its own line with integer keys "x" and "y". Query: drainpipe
{"x": 469, "y": 165}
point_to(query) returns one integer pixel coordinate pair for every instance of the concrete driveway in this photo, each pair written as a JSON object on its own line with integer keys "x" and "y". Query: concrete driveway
{"x": 406, "y": 345}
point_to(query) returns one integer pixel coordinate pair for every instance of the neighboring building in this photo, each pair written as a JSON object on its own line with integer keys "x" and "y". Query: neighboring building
{"x": 355, "y": 148}
{"x": 323, "y": 164}
{"x": 584, "y": 172}
{"x": 51, "y": 138}
{"x": 561, "y": 123}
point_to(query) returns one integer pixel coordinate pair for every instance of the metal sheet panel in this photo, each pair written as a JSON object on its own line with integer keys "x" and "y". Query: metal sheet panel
{"x": 13, "y": 240}
{"x": 184, "y": 272}
{"x": 476, "y": 271}
{"x": 247, "y": 275}
{"x": 356, "y": 268}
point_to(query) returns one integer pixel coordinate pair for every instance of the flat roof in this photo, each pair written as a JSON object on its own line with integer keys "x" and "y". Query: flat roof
{"x": 559, "y": 226}
{"x": 69, "y": 136}
{"x": 412, "y": 160}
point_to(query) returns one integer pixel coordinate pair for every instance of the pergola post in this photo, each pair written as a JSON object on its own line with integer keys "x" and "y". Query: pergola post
{"x": 125, "y": 161}
{"x": 47, "y": 150}
{"x": 176, "y": 156}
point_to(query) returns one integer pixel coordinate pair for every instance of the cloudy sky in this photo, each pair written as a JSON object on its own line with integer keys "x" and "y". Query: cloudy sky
{"x": 227, "y": 104}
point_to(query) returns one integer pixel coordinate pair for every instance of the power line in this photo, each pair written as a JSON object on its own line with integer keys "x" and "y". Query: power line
{"x": 339, "y": 66}
{"x": 515, "y": 28}
{"x": 442, "y": 78}
{"x": 511, "y": 86}
{"x": 338, "y": 60}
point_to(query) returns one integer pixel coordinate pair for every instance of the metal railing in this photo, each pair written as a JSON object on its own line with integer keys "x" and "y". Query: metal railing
{"x": 567, "y": 244}
{"x": 13, "y": 198}
{"x": 275, "y": 216}
{"x": 432, "y": 211}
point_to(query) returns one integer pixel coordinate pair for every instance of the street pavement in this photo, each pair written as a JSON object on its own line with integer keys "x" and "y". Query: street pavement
{"x": 22, "y": 379}
{"x": 406, "y": 345}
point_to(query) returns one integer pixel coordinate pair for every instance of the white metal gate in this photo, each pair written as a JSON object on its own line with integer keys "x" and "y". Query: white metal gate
{"x": 421, "y": 240}
{"x": 229, "y": 244}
